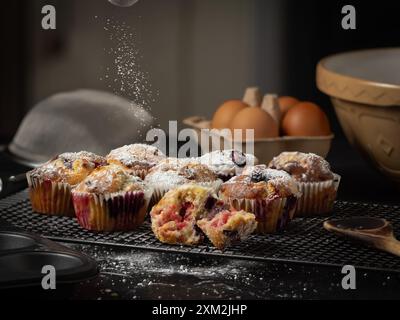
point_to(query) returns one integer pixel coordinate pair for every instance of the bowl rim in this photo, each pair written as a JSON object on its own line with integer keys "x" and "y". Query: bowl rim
{"x": 356, "y": 89}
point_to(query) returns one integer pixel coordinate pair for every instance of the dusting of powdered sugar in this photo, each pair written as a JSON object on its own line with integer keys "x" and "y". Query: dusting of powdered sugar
{"x": 177, "y": 171}
{"x": 303, "y": 166}
{"x": 166, "y": 179}
{"x": 222, "y": 161}
{"x": 57, "y": 167}
{"x": 107, "y": 177}
{"x": 167, "y": 172}
{"x": 137, "y": 154}
{"x": 92, "y": 160}
{"x": 126, "y": 76}
{"x": 48, "y": 170}
{"x": 174, "y": 164}
{"x": 267, "y": 174}
{"x": 260, "y": 173}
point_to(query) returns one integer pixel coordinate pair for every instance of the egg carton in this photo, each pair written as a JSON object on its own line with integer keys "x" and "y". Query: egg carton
{"x": 263, "y": 148}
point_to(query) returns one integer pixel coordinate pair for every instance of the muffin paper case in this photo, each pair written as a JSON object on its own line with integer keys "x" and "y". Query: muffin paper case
{"x": 272, "y": 215}
{"x": 51, "y": 198}
{"x": 111, "y": 212}
{"x": 318, "y": 197}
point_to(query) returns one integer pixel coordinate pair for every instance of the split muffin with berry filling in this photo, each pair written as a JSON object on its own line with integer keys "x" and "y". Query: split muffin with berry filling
{"x": 139, "y": 158}
{"x": 111, "y": 198}
{"x": 173, "y": 172}
{"x": 270, "y": 194}
{"x": 227, "y": 163}
{"x": 314, "y": 178}
{"x": 173, "y": 219}
{"x": 225, "y": 226}
{"x": 186, "y": 214}
{"x": 50, "y": 184}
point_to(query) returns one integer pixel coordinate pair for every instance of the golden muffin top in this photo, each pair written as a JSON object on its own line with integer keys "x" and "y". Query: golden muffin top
{"x": 110, "y": 179}
{"x": 136, "y": 156}
{"x": 259, "y": 182}
{"x": 70, "y": 167}
{"x": 177, "y": 172}
{"x": 304, "y": 167}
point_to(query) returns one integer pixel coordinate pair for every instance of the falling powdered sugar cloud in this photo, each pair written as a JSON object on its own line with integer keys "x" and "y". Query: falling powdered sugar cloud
{"x": 126, "y": 77}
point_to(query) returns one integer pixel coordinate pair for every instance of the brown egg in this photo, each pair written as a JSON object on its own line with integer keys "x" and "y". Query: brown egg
{"x": 286, "y": 102}
{"x": 256, "y": 118}
{"x": 226, "y": 112}
{"x": 306, "y": 119}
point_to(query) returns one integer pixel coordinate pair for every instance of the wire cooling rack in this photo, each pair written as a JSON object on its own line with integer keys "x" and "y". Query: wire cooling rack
{"x": 304, "y": 241}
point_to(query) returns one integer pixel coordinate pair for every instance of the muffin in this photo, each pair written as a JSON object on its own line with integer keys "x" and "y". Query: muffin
{"x": 111, "y": 198}
{"x": 139, "y": 158}
{"x": 228, "y": 163}
{"x": 173, "y": 218}
{"x": 227, "y": 226}
{"x": 50, "y": 184}
{"x": 187, "y": 214}
{"x": 173, "y": 172}
{"x": 315, "y": 180}
{"x": 270, "y": 194}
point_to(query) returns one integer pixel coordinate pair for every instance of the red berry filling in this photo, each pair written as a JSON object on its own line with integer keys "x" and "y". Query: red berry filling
{"x": 221, "y": 219}
{"x": 181, "y": 215}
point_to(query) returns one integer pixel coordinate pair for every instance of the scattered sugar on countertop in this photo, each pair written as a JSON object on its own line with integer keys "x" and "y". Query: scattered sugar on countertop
{"x": 210, "y": 277}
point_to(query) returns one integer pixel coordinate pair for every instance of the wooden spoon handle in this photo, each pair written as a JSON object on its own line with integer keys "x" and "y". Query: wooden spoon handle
{"x": 389, "y": 245}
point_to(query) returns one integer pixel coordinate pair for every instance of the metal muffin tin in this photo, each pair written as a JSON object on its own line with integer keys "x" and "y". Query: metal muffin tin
{"x": 23, "y": 255}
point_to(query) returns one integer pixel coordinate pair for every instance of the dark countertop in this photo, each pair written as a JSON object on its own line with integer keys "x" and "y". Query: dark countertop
{"x": 134, "y": 274}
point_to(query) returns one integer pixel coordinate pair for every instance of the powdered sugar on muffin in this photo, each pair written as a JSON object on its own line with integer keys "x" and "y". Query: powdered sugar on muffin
{"x": 174, "y": 173}
{"x": 259, "y": 179}
{"x": 304, "y": 167}
{"x": 111, "y": 199}
{"x": 136, "y": 155}
{"x": 271, "y": 195}
{"x": 110, "y": 179}
{"x": 69, "y": 167}
{"x": 50, "y": 184}
{"x": 227, "y": 163}
{"x": 173, "y": 164}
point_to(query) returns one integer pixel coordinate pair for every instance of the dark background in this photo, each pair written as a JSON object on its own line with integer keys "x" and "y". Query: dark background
{"x": 285, "y": 41}
{"x": 311, "y": 30}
